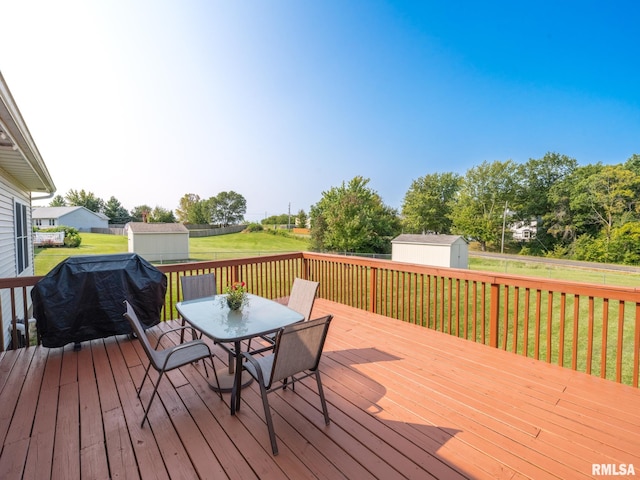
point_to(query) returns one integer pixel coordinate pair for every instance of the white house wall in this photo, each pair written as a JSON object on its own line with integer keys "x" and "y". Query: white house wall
{"x": 8, "y": 195}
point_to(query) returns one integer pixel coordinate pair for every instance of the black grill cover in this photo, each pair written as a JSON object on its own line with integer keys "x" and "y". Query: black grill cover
{"x": 82, "y": 297}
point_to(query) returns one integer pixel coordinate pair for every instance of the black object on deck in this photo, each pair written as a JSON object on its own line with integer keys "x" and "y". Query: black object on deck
{"x": 82, "y": 297}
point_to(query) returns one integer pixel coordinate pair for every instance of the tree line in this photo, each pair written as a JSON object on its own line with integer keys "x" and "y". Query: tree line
{"x": 226, "y": 208}
{"x": 586, "y": 212}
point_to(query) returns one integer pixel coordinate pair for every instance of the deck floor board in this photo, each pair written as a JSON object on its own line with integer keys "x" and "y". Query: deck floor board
{"x": 404, "y": 401}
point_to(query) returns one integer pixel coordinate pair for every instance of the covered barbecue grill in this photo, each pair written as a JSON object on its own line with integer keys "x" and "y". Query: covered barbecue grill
{"x": 82, "y": 297}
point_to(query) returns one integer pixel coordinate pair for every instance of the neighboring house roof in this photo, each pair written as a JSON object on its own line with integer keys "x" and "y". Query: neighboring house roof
{"x": 427, "y": 239}
{"x": 19, "y": 156}
{"x": 59, "y": 212}
{"x": 140, "y": 227}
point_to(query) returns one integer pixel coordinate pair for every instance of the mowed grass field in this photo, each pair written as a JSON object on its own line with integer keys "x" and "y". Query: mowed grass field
{"x": 235, "y": 245}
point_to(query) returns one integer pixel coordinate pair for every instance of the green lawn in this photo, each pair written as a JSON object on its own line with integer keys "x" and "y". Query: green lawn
{"x": 200, "y": 249}
{"x": 558, "y": 272}
{"x": 260, "y": 243}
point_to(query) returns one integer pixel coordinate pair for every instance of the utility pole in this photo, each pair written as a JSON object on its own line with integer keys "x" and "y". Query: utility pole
{"x": 504, "y": 223}
{"x": 289, "y": 221}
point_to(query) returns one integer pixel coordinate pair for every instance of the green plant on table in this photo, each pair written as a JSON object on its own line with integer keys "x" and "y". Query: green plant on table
{"x": 236, "y": 295}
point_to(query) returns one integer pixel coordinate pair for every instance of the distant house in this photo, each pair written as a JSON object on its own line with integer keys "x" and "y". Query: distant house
{"x": 523, "y": 231}
{"x": 80, "y": 218}
{"x": 435, "y": 250}
{"x": 23, "y": 178}
{"x": 158, "y": 242}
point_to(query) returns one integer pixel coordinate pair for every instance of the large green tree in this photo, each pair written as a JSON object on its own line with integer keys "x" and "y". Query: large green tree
{"x": 161, "y": 215}
{"x": 353, "y": 218}
{"x": 301, "y": 219}
{"x": 428, "y": 202}
{"x": 607, "y": 197}
{"x": 140, "y": 213}
{"x": 193, "y": 210}
{"x": 115, "y": 211}
{"x": 228, "y": 208}
{"x": 485, "y": 193}
{"x": 537, "y": 176}
{"x": 58, "y": 201}
{"x": 81, "y": 198}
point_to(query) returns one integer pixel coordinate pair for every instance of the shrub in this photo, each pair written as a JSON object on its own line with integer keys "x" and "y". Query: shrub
{"x": 72, "y": 237}
{"x": 254, "y": 227}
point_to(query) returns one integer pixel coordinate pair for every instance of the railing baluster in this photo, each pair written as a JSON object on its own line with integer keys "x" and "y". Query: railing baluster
{"x": 576, "y": 331}
{"x": 605, "y": 336}
{"x": 561, "y": 327}
{"x": 620, "y": 342}
{"x": 430, "y": 296}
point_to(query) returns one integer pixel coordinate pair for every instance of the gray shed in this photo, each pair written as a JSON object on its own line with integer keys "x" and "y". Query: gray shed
{"x": 158, "y": 242}
{"x": 435, "y": 250}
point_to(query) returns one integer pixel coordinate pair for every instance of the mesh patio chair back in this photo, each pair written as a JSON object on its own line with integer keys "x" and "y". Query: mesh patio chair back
{"x": 298, "y": 348}
{"x": 166, "y": 359}
{"x": 198, "y": 286}
{"x": 193, "y": 287}
{"x": 302, "y": 296}
{"x": 296, "y": 356}
{"x": 139, "y": 332}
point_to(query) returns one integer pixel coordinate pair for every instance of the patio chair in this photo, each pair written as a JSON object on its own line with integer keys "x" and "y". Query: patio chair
{"x": 169, "y": 358}
{"x": 196, "y": 286}
{"x": 301, "y": 299}
{"x": 303, "y": 294}
{"x": 296, "y": 355}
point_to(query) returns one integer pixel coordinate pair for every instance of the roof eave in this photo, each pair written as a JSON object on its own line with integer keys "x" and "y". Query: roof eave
{"x": 36, "y": 177}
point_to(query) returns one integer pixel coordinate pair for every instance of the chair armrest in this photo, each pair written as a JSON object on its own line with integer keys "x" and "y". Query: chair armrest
{"x": 254, "y": 363}
{"x": 170, "y": 331}
{"x": 184, "y": 346}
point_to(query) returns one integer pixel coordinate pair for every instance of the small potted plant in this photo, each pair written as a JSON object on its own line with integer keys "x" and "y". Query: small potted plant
{"x": 236, "y": 295}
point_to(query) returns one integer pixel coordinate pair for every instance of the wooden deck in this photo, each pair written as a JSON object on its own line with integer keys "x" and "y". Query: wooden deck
{"x": 405, "y": 402}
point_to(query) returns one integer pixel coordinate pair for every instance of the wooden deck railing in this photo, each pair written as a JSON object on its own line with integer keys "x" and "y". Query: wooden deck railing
{"x": 585, "y": 327}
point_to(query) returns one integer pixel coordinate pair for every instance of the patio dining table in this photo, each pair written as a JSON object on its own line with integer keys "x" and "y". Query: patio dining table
{"x": 259, "y": 316}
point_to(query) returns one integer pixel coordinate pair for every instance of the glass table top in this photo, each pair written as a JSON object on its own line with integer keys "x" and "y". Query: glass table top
{"x": 259, "y": 316}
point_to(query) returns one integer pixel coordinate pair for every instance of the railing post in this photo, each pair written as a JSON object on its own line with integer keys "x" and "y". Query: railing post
{"x": 494, "y": 310}
{"x": 372, "y": 290}
{"x": 636, "y": 348}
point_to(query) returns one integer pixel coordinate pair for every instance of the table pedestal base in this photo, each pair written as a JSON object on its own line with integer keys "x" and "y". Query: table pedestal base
{"x": 226, "y": 380}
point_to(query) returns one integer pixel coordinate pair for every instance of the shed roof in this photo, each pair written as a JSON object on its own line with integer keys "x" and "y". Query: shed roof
{"x": 141, "y": 227}
{"x": 427, "y": 239}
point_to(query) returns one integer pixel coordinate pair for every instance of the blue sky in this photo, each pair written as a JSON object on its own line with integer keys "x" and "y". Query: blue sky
{"x": 280, "y": 100}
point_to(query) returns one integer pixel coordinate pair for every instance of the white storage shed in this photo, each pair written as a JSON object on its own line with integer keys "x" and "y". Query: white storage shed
{"x": 435, "y": 250}
{"x": 158, "y": 242}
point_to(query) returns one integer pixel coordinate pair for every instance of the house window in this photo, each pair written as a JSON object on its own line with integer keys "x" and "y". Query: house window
{"x": 22, "y": 237}
{"x": 38, "y": 222}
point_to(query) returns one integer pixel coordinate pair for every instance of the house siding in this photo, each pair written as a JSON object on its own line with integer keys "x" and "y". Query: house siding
{"x": 8, "y": 195}
{"x": 79, "y": 218}
{"x": 83, "y": 220}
